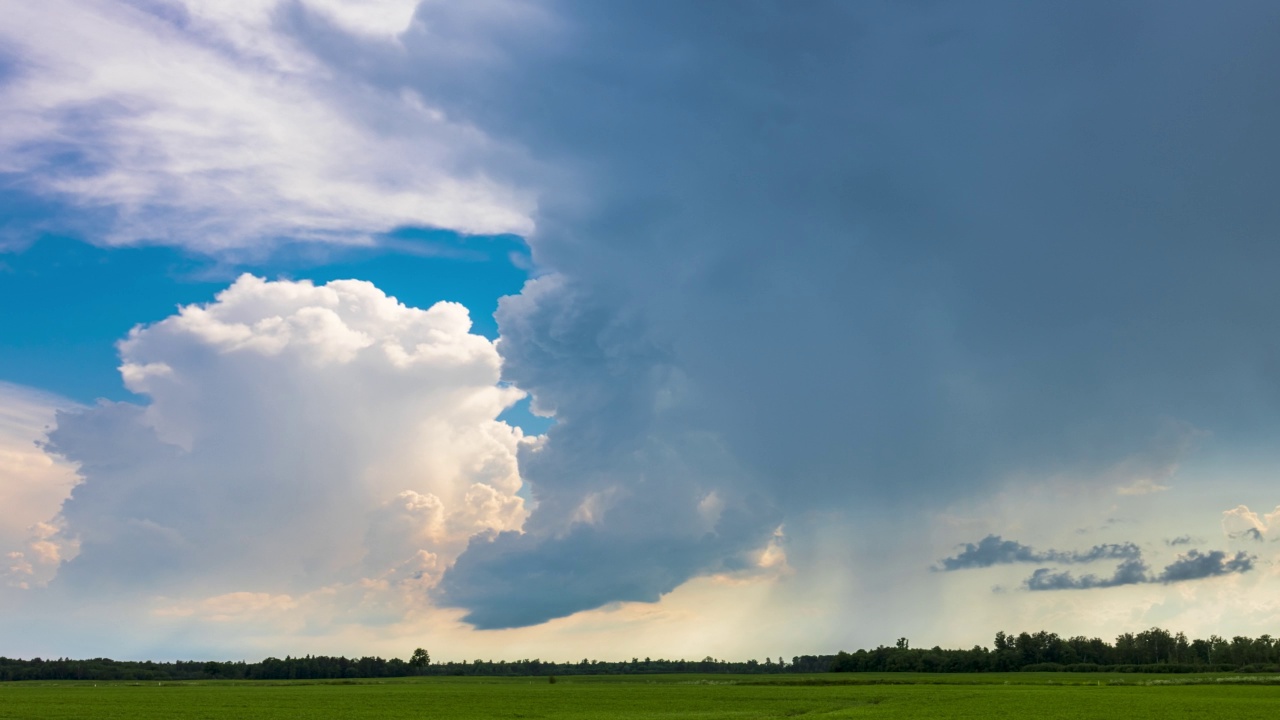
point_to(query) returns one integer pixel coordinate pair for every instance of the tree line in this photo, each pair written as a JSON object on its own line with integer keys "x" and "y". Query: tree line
{"x": 1154, "y": 650}
{"x": 320, "y": 667}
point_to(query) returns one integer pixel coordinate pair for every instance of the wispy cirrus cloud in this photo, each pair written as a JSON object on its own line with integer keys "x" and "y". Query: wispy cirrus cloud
{"x": 1142, "y": 486}
{"x": 208, "y": 125}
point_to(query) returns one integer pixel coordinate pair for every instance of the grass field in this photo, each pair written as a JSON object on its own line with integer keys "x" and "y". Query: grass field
{"x": 1015, "y": 695}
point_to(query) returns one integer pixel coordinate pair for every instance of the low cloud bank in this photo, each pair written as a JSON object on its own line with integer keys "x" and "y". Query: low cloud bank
{"x": 1194, "y": 565}
{"x": 995, "y": 550}
{"x": 1132, "y": 570}
{"x": 1129, "y": 572}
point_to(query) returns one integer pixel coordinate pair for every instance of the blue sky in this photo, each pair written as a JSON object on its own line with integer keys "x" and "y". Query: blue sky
{"x": 77, "y": 301}
{"x": 820, "y": 313}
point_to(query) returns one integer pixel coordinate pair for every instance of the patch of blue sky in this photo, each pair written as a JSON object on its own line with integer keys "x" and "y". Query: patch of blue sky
{"x": 417, "y": 266}
{"x": 65, "y": 303}
{"x": 522, "y": 417}
{"x": 25, "y": 216}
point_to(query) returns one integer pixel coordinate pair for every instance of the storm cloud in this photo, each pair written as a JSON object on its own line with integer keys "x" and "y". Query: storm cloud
{"x": 861, "y": 256}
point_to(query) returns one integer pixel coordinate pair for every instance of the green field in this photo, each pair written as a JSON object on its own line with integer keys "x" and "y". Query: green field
{"x": 1014, "y": 695}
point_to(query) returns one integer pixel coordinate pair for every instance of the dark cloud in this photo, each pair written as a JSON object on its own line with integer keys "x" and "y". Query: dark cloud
{"x": 990, "y": 550}
{"x": 1112, "y": 551}
{"x": 994, "y": 550}
{"x": 1180, "y": 540}
{"x": 858, "y": 256}
{"x": 1129, "y": 572}
{"x": 1195, "y": 565}
{"x": 557, "y": 576}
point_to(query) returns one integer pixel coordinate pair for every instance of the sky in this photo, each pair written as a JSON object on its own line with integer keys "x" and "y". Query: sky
{"x": 558, "y": 328}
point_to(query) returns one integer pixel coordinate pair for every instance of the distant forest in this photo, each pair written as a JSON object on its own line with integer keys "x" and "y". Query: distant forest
{"x": 1153, "y": 650}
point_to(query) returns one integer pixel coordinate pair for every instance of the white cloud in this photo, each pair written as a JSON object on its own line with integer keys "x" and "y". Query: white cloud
{"x": 1241, "y": 522}
{"x": 1141, "y": 486}
{"x": 206, "y": 124}
{"x": 299, "y": 439}
{"x": 32, "y": 484}
{"x": 372, "y": 17}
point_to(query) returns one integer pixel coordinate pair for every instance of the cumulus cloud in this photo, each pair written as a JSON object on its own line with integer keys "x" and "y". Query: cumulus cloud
{"x": 208, "y": 124}
{"x": 995, "y": 550}
{"x": 297, "y": 439}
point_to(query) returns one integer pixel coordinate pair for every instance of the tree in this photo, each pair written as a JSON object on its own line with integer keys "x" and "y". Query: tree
{"x": 1003, "y": 642}
{"x": 421, "y": 658}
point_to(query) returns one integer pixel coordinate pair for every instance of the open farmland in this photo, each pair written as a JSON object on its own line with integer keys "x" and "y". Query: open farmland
{"x": 682, "y": 696}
